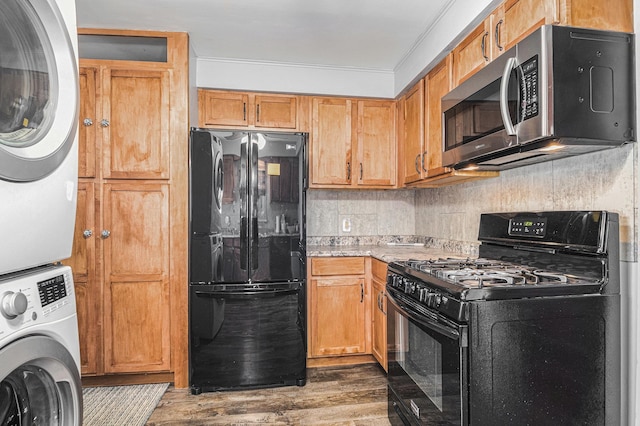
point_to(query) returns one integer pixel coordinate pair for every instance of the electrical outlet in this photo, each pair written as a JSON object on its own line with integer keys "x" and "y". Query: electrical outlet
{"x": 346, "y": 225}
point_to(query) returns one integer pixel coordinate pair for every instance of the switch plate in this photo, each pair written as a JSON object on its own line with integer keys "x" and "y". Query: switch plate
{"x": 346, "y": 225}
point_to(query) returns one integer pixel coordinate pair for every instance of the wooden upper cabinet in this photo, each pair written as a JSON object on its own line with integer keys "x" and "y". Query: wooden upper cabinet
{"x": 353, "y": 143}
{"x": 413, "y": 135}
{"x": 613, "y": 15}
{"x": 474, "y": 52}
{"x": 331, "y": 141}
{"x": 219, "y": 108}
{"x": 136, "y": 124}
{"x": 513, "y": 20}
{"x": 276, "y": 111}
{"x": 87, "y": 126}
{"x": 223, "y": 108}
{"x": 376, "y": 143}
{"x": 437, "y": 84}
{"x": 516, "y": 19}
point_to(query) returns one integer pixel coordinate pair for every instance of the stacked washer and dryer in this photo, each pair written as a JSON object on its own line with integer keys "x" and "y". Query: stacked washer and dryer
{"x": 39, "y": 346}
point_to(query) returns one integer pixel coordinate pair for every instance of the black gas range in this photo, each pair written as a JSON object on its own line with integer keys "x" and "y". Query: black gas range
{"x": 527, "y": 333}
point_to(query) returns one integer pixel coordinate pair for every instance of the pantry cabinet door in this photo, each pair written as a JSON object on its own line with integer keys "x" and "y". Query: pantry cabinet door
{"x": 87, "y": 286}
{"x": 87, "y": 126}
{"x": 136, "y": 265}
{"x": 136, "y": 126}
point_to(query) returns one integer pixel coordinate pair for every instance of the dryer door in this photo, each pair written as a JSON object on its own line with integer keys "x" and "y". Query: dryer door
{"x": 38, "y": 89}
{"x": 39, "y": 384}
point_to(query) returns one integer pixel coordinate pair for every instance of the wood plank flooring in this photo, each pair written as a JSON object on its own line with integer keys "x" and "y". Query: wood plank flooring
{"x": 347, "y": 395}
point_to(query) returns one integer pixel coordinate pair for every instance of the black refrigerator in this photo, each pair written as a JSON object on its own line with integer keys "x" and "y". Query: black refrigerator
{"x": 247, "y": 260}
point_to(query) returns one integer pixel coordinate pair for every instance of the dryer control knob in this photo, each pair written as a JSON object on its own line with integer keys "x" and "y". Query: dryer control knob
{"x": 13, "y": 304}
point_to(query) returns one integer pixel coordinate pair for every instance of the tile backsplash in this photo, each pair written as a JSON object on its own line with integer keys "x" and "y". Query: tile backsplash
{"x": 449, "y": 216}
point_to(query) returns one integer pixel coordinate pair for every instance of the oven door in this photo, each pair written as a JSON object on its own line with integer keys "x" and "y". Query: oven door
{"x": 427, "y": 365}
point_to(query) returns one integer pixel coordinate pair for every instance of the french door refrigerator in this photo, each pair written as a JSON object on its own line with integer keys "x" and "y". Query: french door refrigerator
{"x": 247, "y": 260}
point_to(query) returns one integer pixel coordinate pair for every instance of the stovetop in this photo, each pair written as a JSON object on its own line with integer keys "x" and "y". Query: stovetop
{"x": 522, "y": 255}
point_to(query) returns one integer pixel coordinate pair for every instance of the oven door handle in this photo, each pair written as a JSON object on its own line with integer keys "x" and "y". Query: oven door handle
{"x": 457, "y": 333}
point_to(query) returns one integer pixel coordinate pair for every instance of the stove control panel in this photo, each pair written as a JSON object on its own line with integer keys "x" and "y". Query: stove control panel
{"x": 528, "y": 227}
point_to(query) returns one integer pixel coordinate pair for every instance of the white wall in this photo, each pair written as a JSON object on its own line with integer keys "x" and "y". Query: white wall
{"x": 461, "y": 16}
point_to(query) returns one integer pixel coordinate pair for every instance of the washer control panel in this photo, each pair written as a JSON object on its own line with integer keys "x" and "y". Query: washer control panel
{"x": 35, "y": 296}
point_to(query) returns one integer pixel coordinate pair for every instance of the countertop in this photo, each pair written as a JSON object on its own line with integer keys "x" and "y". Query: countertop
{"x": 385, "y": 253}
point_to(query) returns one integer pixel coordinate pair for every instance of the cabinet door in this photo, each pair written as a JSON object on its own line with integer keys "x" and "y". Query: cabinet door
{"x": 338, "y": 315}
{"x": 379, "y": 311}
{"x": 223, "y": 108}
{"x": 379, "y": 318}
{"x": 376, "y": 143}
{"x": 136, "y": 138}
{"x": 87, "y": 125}
{"x": 136, "y": 265}
{"x": 613, "y": 15}
{"x": 88, "y": 291}
{"x": 473, "y": 53}
{"x": 331, "y": 141}
{"x": 413, "y": 133}
{"x": 518, "y": 18}
{"x": 276, "y": 111}
{"x": 438, "y": 83}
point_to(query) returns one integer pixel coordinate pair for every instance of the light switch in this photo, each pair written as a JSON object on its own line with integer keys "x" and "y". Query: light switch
{"x": 346, "y": 225}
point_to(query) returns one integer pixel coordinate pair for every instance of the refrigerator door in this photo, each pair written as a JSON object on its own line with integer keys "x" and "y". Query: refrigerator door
{"x": 276, "y": 199}
{"x": 262, "y": 198}
{"x": 206, "y": 183}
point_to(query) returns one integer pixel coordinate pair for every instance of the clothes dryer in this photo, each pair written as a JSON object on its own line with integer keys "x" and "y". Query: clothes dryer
{"x": 38, "y": 132}
{"x": 39, "y": 348}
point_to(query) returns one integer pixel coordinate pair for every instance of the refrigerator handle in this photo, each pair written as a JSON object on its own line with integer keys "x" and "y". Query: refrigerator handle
{"x": 243, "y": 244}
{"x": 253, "y": 202}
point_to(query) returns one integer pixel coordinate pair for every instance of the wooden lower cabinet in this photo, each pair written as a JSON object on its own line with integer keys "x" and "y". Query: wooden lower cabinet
{"x": 339, "y": 301}
{"x": 379, "y": 311}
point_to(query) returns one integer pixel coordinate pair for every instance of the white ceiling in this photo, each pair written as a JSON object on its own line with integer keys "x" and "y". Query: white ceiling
{"x": 360, "y": 34}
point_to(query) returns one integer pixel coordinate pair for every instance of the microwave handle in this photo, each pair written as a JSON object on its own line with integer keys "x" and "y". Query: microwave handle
{"x": 504, "y": 96}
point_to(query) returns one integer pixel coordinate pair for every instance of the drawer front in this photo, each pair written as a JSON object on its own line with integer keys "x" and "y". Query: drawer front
{"x": 337, "y": 266}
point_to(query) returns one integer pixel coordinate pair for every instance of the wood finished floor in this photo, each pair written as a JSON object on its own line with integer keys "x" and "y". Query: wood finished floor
{"x": 351, "y": 395}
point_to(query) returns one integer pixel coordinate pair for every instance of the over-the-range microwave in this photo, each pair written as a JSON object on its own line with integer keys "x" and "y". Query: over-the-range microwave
{"x": 560, "y": 91}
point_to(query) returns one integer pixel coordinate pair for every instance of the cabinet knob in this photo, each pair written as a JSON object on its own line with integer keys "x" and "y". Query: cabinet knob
{"x": 87, "y": 122}
{"x": 87, "y": 233}
{"x": 104, "y": 122}
{"x": 105, "y": 234}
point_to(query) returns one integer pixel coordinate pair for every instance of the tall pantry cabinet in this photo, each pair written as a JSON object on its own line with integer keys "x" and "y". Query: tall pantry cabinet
{"x": 129, "y": 255}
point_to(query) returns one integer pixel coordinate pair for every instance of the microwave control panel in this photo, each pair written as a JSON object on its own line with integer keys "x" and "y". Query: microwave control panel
{"x": 529, "y": 87}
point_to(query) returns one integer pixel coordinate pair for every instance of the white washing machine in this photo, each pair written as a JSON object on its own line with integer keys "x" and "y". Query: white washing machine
{"x": 38, "y": 131}
{"x": 39, "y": 349}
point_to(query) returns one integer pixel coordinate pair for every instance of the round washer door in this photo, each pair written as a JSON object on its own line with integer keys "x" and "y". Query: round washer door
{"x": 39, "y": 384}
{"x": 38, "y": 89}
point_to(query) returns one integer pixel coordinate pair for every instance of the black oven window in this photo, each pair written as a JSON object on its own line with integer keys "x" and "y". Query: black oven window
{"x": 424, "y": 371}
{"x": 479, "y": 114}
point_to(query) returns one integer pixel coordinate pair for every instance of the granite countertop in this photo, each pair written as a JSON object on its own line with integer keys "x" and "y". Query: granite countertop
{"x": 385, "y": 253}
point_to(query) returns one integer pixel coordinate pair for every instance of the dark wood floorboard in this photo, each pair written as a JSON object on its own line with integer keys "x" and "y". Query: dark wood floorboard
{"x": 349, "y": 395}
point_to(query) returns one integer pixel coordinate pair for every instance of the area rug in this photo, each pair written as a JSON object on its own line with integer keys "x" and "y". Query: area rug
{"x": 121, "y": 405}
